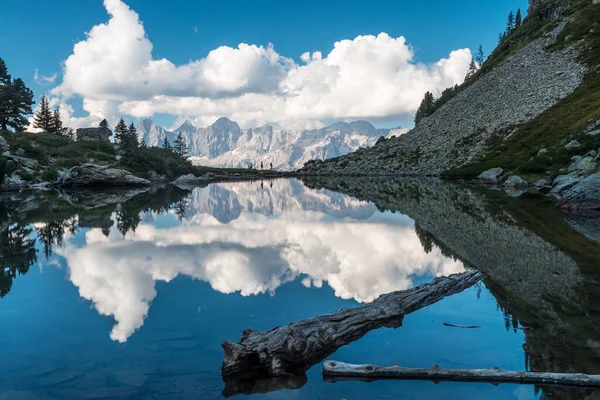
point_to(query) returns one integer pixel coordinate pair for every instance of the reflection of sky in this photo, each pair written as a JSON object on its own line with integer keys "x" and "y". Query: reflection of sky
{"x": 54, "y": 345}
{"x": 359, "y": 259}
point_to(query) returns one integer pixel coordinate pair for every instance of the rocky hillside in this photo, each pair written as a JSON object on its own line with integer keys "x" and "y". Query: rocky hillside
{"x": 536, "y": 91}
{"x": 225, "y": 144}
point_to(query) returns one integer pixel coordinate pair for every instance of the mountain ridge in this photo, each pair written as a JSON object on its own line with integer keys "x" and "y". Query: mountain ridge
{"x": 225, "y": 144}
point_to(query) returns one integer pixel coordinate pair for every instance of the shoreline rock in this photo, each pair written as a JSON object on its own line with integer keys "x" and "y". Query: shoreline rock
{"x": 93, "y": 175}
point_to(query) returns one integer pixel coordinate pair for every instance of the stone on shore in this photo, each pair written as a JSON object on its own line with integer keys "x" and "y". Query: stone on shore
{"x": 93, "y": 175}
{"x": 490, "y": 176}
{"x": 584, "y": 197}
{"x": 515, "y": 182}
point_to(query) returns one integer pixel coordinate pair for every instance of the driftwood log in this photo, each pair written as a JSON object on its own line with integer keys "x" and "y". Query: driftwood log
{"x": 291, "y": 349}
{"x": 335, "y": 371}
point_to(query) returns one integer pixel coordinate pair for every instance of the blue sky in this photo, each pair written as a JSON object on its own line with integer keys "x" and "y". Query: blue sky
{"x": 43, "y": 35}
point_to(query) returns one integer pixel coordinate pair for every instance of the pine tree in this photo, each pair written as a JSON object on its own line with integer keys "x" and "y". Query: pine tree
{"x": 103, "y": 124}
{"x": 479, "y": 56}
{"x": 16, "y": 100}
{"x": 180, "y": 147}
{"x": 510, "y": 24}
{"x": 166, "y": 144}
{"x": 57, "y": 125}
{"x": 43, "y": 118}
{"x": 472, "y": 70}
{"x": 132, "y": 139}
{"x": 518, "y": 19}
{"x": 121, "y": 131}
{"x": 426, "y": 108}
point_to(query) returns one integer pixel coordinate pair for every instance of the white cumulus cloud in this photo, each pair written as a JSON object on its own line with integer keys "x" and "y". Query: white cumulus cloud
{"x": 114, "y": 71}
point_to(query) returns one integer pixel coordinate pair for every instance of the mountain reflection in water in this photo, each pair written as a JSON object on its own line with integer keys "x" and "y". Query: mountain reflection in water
{"x": 254, "y": 238}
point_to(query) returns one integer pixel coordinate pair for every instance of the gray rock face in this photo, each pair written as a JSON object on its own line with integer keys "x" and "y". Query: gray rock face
{"x": 541, "y": 183}
{"x": 457, "y": 133}
{"x": 563, "y": 183}
{"x": 490, "y": 176}
{"x": 542, "y": 152}
{"x": 3, "y": 145}
{"x": 515, "y": 182}
{"x": 572, "y": 145}
{"x": 583, "y": 197}
{"x": 583, "y": 166}
{"x": 23, "y": 162}
{"x": 92, "y": 175}
{"x": 20, "y": 152}
{"x": 191, "y": 179}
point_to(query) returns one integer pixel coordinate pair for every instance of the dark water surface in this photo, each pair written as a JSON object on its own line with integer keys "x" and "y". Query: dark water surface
{"x": 130, "y": 294}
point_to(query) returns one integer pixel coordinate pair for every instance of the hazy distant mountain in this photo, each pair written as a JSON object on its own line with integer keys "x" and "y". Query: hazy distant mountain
{"x": 225, "y": 144}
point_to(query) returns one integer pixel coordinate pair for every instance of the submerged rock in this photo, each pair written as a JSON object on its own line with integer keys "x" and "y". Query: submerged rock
{"x": 515, "y": 181}
{"x": 92, "y": 175}
{"x": 583, "y": 197}
{"x": 490, "y": 176}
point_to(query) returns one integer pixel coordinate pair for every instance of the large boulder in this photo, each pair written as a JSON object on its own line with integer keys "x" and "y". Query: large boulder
{"x": 23, "y": 162}
{"x": 3, "y": 145}
{"x": 515, "y": 182}
{"x": 490, "y": 176}
{"x": 92, "y": 175}
{"x": 583, "y": 165}
{"x": 583, "y": 197}
{"x": 191, "y": 179}
{"x": 572, "y": 145}
{"x": 563, "y": 183}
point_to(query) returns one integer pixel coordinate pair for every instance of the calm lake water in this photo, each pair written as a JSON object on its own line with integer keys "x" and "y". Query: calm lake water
{"x": 130, "y": 294}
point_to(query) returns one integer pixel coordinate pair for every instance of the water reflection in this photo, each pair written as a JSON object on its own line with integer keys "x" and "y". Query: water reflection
{"x": 250, "y": 239}
{"x": 544, "y": 274}
{"x": 270, "y": 237}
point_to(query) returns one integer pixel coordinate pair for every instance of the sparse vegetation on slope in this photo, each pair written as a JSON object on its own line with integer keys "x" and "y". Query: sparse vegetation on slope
{"x": 516, "y": 149}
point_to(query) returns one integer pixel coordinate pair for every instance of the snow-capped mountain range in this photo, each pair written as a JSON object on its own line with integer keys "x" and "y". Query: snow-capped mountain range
{"x": 225, "y": 144}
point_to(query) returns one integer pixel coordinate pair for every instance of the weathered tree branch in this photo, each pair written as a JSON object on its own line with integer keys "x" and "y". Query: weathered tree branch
{"x": 291, "y": 349}
{"x": 335, "y": 371}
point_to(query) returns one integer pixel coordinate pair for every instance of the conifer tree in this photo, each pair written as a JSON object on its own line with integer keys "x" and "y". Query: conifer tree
{"x": 518, "y": 19}
{"x": 57, "y": 125}
{"x": 510, "y": 24}
{"x": 121, "y": 131}
{"x": 166, "y": 144}
{"x": 103, "y": 124}
{"x": 472, "y": 70}
{"x": 180, "y": 147}
{"x": 479, "y": 56}
{"x": 426, "y": 108}
{"x": 16, "y": 100}
{"x": 43, "y": 118}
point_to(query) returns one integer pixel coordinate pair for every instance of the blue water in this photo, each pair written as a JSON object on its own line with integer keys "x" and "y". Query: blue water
{"x": 142, "y": 316}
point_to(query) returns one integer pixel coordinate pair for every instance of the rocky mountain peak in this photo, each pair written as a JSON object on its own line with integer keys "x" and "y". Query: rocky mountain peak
{"x": 187, "y": 126}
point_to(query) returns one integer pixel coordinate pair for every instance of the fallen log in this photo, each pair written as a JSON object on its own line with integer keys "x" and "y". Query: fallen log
{"x": 291, "y": 349}
{"x": 335, "y": 371}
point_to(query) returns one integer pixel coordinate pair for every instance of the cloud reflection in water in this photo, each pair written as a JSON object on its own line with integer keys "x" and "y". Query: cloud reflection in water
{"x": 360, "y": 255}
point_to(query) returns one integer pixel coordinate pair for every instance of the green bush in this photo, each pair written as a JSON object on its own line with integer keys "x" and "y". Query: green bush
{"x": 50, "y": 174}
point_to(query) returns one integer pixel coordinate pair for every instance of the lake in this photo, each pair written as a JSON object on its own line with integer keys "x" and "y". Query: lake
{"x": 129, "y": 294}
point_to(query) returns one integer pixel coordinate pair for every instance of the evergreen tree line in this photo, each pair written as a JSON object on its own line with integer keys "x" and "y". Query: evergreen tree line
{"x": 513, "y": 22}
{"x": 16, "y": 101}
{"x": 429, "y": 103}
{"x": 49, "y": 121}
{"x": 179, "y": 147}
{"x": 126, "y": 137}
